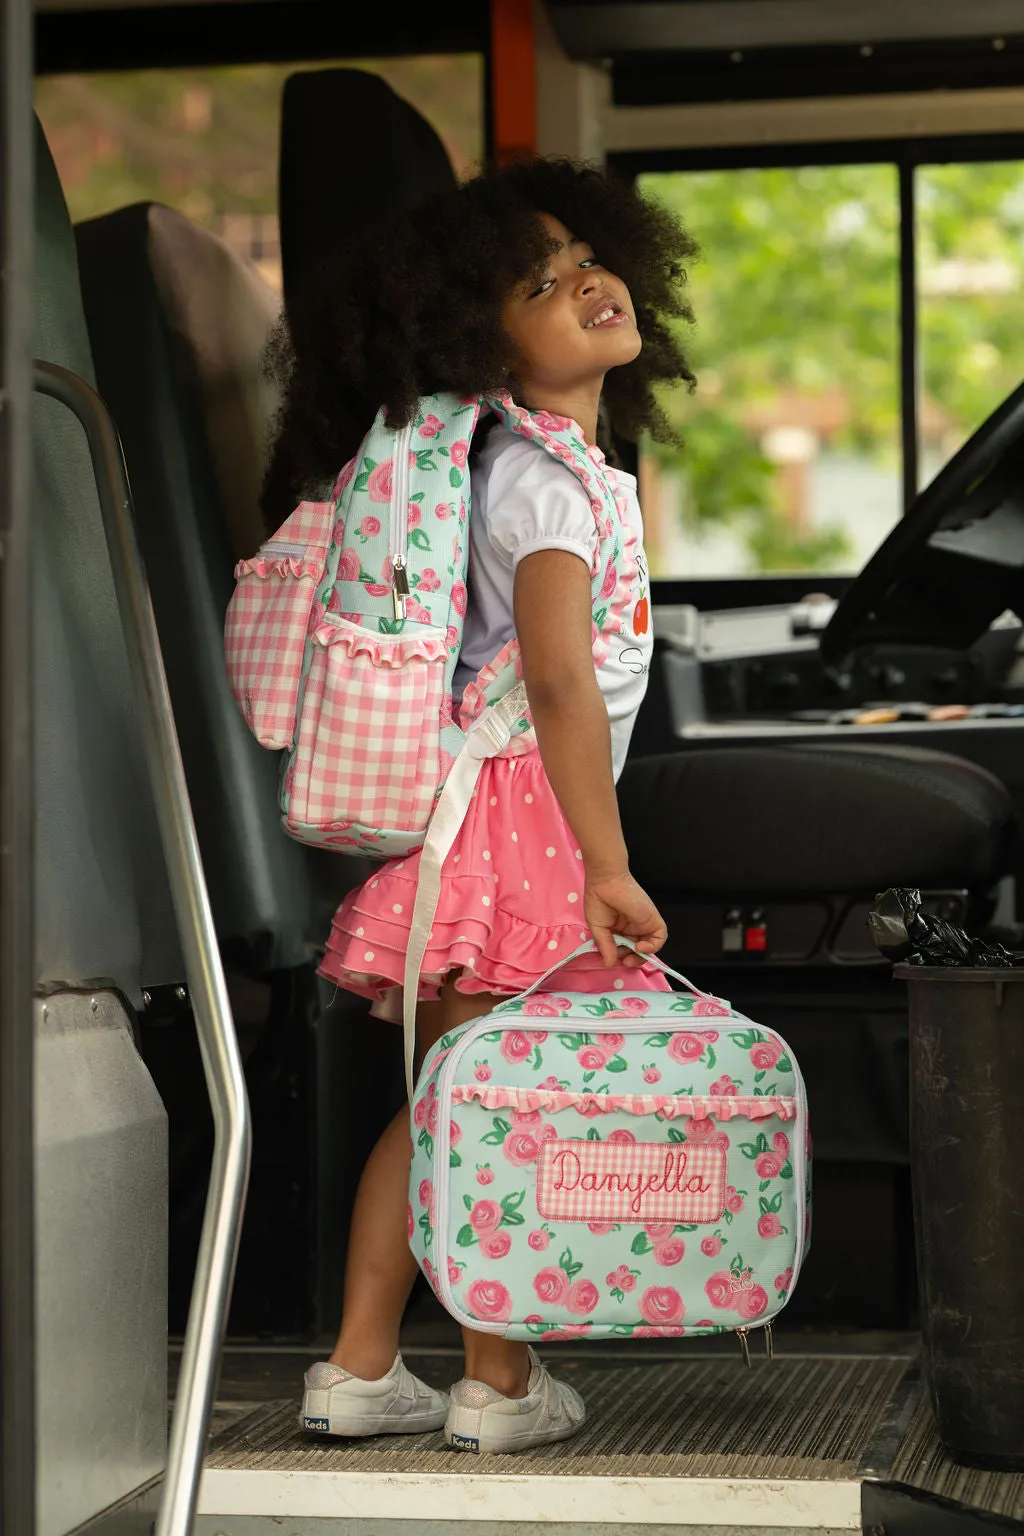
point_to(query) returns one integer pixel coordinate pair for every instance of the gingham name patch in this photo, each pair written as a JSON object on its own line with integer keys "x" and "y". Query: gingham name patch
{"x": 631, "y": 1181}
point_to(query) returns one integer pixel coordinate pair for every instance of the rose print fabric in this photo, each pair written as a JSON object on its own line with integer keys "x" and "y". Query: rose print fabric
{"x": 678, "y": 1116}
{"x": 511, "y": 905}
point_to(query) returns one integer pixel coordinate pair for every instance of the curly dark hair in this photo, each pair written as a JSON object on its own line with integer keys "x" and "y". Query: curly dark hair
{"x": 413, "y": 306}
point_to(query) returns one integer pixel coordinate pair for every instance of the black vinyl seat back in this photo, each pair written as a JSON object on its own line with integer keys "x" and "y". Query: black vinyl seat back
{"x": 774, "y": 854}
{"x": 329, "y": 118}
{"x": 793, "y": 820}
{"x": 178, "y": 325}
{"x": 103, "y": 907}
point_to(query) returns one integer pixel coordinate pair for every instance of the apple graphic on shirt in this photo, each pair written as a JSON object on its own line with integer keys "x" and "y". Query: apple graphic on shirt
{"x": 640, "y": 617}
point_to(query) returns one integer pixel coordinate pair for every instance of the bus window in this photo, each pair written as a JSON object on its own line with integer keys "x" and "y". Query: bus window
{"x": 970, "y": 276}
{"x": 205, "y": 141}
{"x": 791, "y": 458}
{"x": 794, "y": 442}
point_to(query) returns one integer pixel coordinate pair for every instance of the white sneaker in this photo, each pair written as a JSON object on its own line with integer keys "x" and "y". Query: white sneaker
{"x": 481, "y": 1419}
{"x": 337, "y": 1403}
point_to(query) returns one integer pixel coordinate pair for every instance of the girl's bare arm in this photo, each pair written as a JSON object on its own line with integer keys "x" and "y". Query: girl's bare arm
{"x": 552, "y": 600}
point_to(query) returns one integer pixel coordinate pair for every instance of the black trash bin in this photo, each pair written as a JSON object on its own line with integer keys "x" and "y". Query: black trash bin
{"x": 967, "y": 1160}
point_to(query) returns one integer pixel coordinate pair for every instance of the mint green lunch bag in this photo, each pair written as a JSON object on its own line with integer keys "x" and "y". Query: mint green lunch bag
{"x": 627, "y": 1165}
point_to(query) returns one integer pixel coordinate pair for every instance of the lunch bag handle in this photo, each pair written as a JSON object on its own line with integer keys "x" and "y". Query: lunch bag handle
{"x": 624, "y": 943}
{"x": 409, "y": 1019}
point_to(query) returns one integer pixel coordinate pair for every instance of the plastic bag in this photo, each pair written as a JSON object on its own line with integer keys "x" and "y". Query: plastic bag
{"x": 902, "y": 932}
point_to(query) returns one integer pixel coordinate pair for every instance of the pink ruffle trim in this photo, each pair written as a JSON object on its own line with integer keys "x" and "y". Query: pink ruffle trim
{"x": 383, "y": 650}
{"x": 670, "y": 1106}
{"x": 500, "y": 921}
{"x": 286, "y": 566}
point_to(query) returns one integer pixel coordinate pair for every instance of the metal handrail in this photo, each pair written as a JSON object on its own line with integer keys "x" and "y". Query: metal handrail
{"x": 218, "y": 1043}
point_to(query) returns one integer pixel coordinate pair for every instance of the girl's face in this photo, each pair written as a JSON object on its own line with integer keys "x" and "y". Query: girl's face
{"x": 575, "y": 323}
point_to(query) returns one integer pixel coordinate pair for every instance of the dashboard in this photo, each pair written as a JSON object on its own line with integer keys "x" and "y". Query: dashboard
{"x": 761, "y": 671}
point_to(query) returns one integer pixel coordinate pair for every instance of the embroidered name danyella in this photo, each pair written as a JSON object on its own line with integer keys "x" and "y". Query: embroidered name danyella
{"x": 631, "y": 1181}
{"x": 674, "y": 1178}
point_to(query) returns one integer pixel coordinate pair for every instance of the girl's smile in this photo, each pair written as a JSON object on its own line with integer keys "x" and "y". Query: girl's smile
{"x": 607, "y": 314}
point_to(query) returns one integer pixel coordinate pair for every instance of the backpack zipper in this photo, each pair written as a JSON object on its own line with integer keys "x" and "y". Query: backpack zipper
{"x": 399, "y": 531}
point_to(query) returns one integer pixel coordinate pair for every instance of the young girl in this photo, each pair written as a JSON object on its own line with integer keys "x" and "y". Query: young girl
{"x": 552, "y": 283}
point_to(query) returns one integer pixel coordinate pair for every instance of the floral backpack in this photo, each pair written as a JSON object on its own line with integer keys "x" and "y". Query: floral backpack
{"x": 611, "y": 1167}
{"x": 343, "y": 635}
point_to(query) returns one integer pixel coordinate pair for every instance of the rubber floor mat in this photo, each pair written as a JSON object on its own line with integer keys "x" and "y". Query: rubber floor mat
{"x": 791, "y": 1418}
{"x": 922, "y": 1463}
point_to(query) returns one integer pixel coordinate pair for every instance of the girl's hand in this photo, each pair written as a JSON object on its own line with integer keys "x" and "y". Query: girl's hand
{"x": 618, "y": 905}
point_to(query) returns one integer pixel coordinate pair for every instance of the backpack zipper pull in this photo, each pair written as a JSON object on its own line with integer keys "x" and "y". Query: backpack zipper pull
{"x": 399, "y": 584}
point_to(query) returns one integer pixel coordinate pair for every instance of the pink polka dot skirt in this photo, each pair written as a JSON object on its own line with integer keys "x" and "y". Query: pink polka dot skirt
{"x": 511, "y": 903}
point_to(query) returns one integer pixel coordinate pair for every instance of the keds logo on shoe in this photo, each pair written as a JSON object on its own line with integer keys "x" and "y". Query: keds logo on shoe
{"x": 463, "y": 1442}
{"x": 631, "y": 1181}
{"x": 324, "y": 1424}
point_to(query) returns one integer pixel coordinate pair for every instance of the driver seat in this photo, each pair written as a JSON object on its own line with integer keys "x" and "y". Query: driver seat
{"x": 773, "y": 855}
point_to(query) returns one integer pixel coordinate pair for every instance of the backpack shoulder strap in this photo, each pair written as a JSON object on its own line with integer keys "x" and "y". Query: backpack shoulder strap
{"x": 613, "y": 567}
{"x": 561, "y": 437}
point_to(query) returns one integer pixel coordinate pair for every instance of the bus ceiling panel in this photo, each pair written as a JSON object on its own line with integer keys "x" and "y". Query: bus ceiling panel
{"x": 796, "y": 73}
{"x": 615, "y": 27}
{"x": 924, "y": 127}
{"x": 71, "y": 38}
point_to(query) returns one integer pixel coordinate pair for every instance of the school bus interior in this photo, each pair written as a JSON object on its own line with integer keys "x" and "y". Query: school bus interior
{"x": 826, "y": 717}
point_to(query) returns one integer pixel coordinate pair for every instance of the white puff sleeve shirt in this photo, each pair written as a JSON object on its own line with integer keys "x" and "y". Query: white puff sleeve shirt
{"x": 524, "y": 500}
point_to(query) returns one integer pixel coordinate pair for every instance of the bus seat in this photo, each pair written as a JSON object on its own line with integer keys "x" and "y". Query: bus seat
{"x": 178, "y": 324}
{"x": 322, "y": 197}
{"x": 104, "y": 928}
{"x": 741, "y": 824}
{"x": 321, "y": 192}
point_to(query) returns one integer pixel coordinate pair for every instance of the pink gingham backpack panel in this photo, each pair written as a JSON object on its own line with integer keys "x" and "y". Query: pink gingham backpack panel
{"x": 268, "y": 618}
{"x": 368, "y": 744}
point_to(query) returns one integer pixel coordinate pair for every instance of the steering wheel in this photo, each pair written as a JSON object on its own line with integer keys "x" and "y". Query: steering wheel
{"x": 954, "y": 562}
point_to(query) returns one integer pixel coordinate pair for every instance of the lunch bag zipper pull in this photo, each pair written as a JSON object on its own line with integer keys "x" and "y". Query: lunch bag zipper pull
{"x": 743, "y": 1334}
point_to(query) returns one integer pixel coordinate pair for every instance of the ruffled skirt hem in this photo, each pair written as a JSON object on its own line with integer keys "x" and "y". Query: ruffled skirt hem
{"x": 510, "y": 906}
